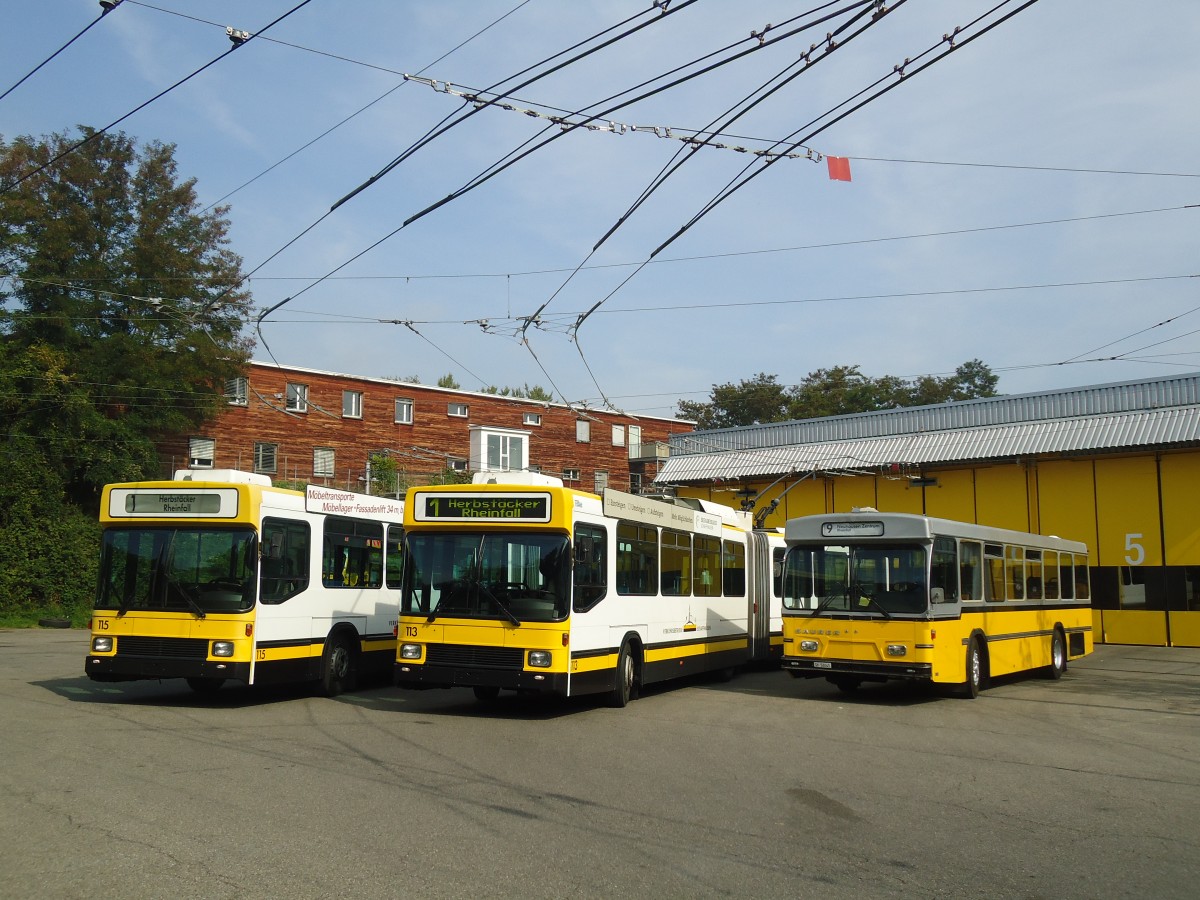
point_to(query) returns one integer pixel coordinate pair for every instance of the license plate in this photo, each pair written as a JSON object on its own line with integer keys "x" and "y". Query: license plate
{"x": 822, "y": 665}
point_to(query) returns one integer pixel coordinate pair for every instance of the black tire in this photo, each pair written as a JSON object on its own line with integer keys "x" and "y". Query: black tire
{"x": 975, "y": 677}
{"x": 846, "y": 685}
{"x": 205, "y": 687}
{"x": 485, "y": 694}
{"x": 338, "y": 665}
{"x": 1058, "y": 656}
{"x": 623, "y": 686}
{"x": 54, "y": 622}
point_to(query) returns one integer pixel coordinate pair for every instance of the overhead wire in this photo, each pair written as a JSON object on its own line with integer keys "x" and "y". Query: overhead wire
{"x": 93, "y": 135}
{"x": 105, "y": 9}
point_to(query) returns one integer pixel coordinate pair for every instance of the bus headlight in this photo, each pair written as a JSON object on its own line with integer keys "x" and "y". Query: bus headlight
{"x": 102, "y": 645}
{"x": 410, "y": 651}
{"x": 222, "y": 648}
{"x": 897, "y": 650}
{"x": 539, "y": 658}
{"x": 808, "y": 646}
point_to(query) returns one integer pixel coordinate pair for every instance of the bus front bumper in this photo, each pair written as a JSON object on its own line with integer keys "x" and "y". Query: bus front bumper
{"x": 412, "y": 675}
{"x": 866, "y": 670}
{"x": 117, "y": 668}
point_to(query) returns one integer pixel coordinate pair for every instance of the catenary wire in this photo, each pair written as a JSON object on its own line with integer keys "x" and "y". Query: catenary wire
{"x": 105, "y": 10}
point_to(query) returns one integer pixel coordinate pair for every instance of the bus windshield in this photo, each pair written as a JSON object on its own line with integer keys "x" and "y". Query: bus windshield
{"x": 523, "y": 577}
{"x": 196, "y": 570}
{"x": 868, "y": 578}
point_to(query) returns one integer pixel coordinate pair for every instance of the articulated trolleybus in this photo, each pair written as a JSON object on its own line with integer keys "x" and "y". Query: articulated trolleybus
{"x": 540, "y": 588}
{"x": 871, "y": 596}
{"x": 219, "y": 576}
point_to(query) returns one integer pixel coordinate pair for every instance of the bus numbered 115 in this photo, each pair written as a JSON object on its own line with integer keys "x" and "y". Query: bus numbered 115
{"x": 218, "y": 575}
{"x": 540, "y": 588}
{"x": 871, "y": 596}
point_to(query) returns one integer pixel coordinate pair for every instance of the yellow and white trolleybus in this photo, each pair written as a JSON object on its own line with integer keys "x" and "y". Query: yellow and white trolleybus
{"x": 871, "y": 596}
{"x": 541, "y": 588}
{"x": 219, "y": 576}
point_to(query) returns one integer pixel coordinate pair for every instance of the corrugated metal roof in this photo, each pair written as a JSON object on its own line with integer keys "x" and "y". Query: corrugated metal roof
{"x": 1096, "y": 400}
{"x": 1154, "y": 427}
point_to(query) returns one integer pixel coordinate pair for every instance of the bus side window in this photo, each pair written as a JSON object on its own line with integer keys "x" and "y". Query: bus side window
{"x": 284, "y": 568}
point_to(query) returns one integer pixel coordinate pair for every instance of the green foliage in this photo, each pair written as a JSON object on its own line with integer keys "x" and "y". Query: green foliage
{"x": 832, "y": 392}
{"x": 386, "y": 478}
{"x": 537, "y": 392}
{"x": 121, "y": 319}
{"x": 448, "y": 381}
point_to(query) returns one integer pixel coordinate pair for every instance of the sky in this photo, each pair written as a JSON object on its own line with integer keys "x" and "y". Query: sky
{"x": 1029, "y": 199}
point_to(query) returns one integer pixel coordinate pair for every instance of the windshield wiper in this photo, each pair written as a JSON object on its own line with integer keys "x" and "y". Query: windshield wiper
{"x": 194, "y": 607}
{"x": 504, "y": 609}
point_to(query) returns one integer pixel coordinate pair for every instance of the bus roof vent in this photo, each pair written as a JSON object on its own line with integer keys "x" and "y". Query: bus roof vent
{"x": 527, "y": 478}
{"x": 229, "y": 476}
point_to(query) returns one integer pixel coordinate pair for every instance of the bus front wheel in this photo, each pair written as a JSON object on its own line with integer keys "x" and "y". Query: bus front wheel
{"x": 623, "y": 689}
{"x": 337, "y": 667}
{"x": 1058, "y": 656}
{"x": 974, "y": 682}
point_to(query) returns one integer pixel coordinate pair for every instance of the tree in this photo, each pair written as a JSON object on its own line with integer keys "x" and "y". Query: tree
{"x": 537, "y": 392}
{"x": 121, "y": 317}
{"x": 751, "y": 401}
{"x": 833, "y": 392}
{"x": 448, "y": 381}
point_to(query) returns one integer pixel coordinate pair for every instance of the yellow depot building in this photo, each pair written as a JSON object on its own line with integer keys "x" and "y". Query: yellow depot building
{"x": 1116, "y": 466}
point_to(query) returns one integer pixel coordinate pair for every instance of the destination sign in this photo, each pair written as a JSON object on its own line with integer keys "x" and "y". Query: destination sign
{"x": 523, "y": 507}
{"x": 851, "y": 529}
{"x": 196, "y": 503}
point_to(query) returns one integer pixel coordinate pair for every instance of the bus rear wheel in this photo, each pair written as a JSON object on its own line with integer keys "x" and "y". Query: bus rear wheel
{"x": 337, "y": 667}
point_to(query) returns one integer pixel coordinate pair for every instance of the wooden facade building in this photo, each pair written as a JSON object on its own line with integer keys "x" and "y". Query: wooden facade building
{"x": 303, "y": 425}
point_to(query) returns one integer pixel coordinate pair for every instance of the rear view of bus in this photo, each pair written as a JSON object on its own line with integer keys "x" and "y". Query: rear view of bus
{"x": 219, "y": 576}
{"x": 871, "y": 596}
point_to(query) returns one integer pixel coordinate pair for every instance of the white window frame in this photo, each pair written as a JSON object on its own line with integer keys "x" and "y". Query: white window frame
{"x": 570, "y": 474}
{"x": 512, "y": 444}
{"x": 324, "y": 462}
{"x": 237, "y": 391}
{"x": 583, "y": 431}
{"x": 202, "y": 452}
{"x": 404, "y": 411}
{"x": 456, "y": 465}
{"x": 296, "y": 397}
{"x": 635, "y": 440}
{"x": 601, "y": 481}
{"x": 458, "y": 410}
{"x": 352, "y": 404}
{"x": 531, "y": 419}
{"x": 266, "y": 457}
{"x": 618, "y": 435}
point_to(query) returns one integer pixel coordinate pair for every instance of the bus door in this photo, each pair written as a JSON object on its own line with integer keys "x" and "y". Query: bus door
{"x": 758, "y": 615}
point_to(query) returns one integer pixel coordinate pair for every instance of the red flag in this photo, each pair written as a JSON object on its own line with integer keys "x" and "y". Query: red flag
{"x": 839, "y": 168}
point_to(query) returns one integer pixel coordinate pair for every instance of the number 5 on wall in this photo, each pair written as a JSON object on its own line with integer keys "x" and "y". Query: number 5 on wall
{"x": 1136, "y": 554}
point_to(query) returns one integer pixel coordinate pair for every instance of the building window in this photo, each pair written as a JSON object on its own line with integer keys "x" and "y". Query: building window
{"x": 457, "y": 465}
{"x": 264, "y": 458}
{"x": 583, "y": 431}
{"x": 570, "y": 475}
{"x": 352, "y": 404}
{"x": 531, "y": 419}
{"x": 601, "y": 482}
{"x": 201, "y": 453}
{"x": 635, "y": 440}
{"x": 404, "y": 411}
{"x": 297, "y": 398}
{"x": 322, "y": 462}
{"x": 237, "y": 391}
{"x": 618, "y": 432}
{"x": 635, "y": 482}
{"x": 457, "y": 409}
{"x": 499, "y": 450}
